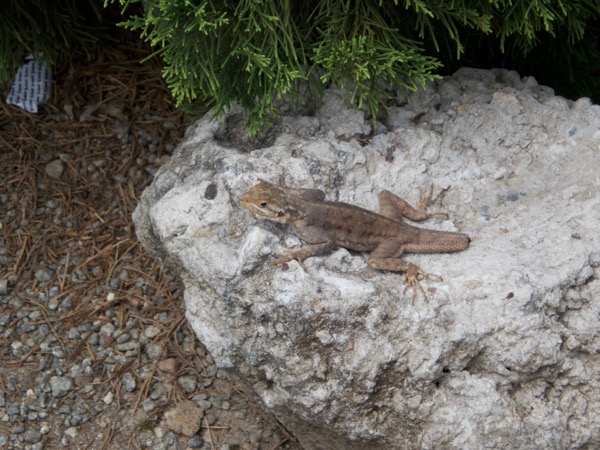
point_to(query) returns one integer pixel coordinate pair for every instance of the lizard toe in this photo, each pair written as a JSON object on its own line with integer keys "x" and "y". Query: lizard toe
{"x": 412, "y": 281}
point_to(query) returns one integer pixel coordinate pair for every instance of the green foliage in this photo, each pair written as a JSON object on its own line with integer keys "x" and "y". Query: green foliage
{"x": 435, "y": 20}
{"x": 254, "y": 52}
{"x": 220, "y": 52}
{"x": 53, "y": 29}
{"x": 353, "y": 47}
{"x": 555, "y": 41}
{"x": 525, "y": 20}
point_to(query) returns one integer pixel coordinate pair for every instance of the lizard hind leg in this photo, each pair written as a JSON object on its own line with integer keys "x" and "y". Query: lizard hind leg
{"x": 396, "y": 208}
{"x": 387, "y": 257}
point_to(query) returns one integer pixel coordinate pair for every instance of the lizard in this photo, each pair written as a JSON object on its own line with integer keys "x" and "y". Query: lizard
{"x": 326, "y": 225}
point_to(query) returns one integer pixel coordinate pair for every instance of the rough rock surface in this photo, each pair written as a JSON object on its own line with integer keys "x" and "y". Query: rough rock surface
{"x": 504, "y": 354}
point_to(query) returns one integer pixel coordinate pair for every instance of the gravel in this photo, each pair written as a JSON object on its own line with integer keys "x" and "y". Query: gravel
{"x": 95, "y": 346}
{"x": 55, "y": 396}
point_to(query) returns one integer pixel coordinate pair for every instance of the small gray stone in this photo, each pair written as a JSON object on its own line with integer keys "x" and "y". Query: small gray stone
{"x": 13, "y": 409}
{"x": 188, "y": 383}
{"x": 125, "y": 337}
{"x": 211, "y": 420}
{"x": 210, "y": 371}
{"x": 204, "y": 404}
{"x": 55, "y": 169}
{"x": 16, "y": 303}
{"x": 60, "y": 386}
{"x": 154, "y": 350}
{"x": 3, "y": 286}
{"x": 32, "y": 436}
{"x": 17, "y": 348}
{"x": 73, "y": 333}
{"x": 170, "y": 438}
{"x": 4, "y": 319}
{"x": 27, "y": 327}
{"x": 53, "y": 304}
{"x": 151, "y": 331}
{"x": 157, "y": 392}
{"x": 195, "y": 442}
{"x": 162, "y": 317}
{"x": 128, "y": 346}
{"x": 108, "y": 398}
{"x": 75, "y": 370}
{"x": 93, "y": 339}
{"x": 148, "y": 404}
{"x": 77, "y": 419}
{"x": 43, "y": 362}
{"x": 131, "y": 323}
{"x": 129, "y": 382}
{"x": 71, "y": 432}
{"x": 53, "y": 291}
{"x": 107, "y": 329}
{"x": 43, "y": 275}
{"x": 67, "y": 303}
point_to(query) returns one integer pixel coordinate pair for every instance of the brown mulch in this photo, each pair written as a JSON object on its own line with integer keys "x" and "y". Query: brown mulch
{"x": 112, "y": 122}
{"x": 97, "y": 116}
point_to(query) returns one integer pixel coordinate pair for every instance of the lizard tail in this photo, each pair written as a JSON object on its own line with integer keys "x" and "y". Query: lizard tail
{"x": 433, "y": 241}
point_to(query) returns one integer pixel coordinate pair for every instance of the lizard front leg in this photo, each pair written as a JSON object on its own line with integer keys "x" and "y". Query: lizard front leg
{"x": 386, "y": 257}
{"x": 394, "y": 207}
{"x": 322, "y": 241}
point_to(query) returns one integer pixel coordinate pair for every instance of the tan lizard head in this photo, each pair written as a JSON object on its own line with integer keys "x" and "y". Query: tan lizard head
{"x": 271, "y": 202}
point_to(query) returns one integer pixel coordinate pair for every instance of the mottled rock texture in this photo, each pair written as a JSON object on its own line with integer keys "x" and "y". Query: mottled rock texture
{"x": 505, "y": 352}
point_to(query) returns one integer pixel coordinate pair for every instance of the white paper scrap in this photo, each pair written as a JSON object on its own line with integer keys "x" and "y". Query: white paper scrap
{"x": 31, "y": 86}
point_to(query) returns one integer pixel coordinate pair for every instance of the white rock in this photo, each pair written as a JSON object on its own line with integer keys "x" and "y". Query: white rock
{"x": 504, "y": 353}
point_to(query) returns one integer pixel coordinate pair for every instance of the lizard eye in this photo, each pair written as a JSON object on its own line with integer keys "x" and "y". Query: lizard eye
{"x": 263, "y": 204}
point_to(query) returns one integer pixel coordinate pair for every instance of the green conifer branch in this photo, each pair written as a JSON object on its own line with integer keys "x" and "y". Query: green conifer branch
{"x": 254, "y": 52}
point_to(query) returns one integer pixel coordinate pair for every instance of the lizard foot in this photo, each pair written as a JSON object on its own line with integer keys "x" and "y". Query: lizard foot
{"x": 412, "y": 280}
{"x": 287, "y": 257}
{"x": 425, "y": 201}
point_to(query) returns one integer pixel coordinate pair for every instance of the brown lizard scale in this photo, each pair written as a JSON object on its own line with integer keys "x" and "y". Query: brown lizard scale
{"x": 326, "y": 225}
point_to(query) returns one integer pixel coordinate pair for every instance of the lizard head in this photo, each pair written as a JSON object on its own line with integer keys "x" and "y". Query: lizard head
{"x": 271, "y": 202}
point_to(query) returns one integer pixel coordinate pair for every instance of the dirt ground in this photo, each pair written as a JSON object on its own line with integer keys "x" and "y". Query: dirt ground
{"x": 94, "y": 346}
